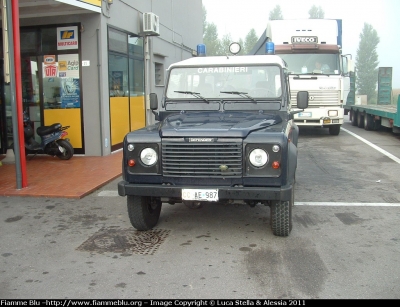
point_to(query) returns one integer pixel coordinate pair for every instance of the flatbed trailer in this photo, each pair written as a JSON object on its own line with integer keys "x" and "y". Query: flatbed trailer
{"x": 382, "y": 114}
{"x": 372, "y": 117}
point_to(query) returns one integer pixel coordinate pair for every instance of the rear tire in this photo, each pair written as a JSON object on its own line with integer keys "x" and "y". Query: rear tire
{"x": 353, "y": 116}
{"x": 68, "y": 150}
{"x": 360, "y": 119}
{"x": 143, "y": 211}
{"x": 368, "y": 122}
{"x": 377, "y": 124}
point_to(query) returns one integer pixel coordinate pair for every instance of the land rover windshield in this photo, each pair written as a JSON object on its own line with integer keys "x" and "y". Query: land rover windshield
{"x": 225, "y": 82}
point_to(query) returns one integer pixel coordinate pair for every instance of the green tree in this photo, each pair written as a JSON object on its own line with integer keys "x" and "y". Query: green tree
{"x": 204, "y": 19}
{"x": 216, "y": 46}
{"x": 367, "y": 62}
{"x": 316, "y": 12}
{"x": 250, "y": 41}
{"x": 210, "y": 36}
{"x": 241, "y": 43}
{"x": 225, "y": 42}
{"x": 276, "y": 13}
{"x": 211, "y": 40}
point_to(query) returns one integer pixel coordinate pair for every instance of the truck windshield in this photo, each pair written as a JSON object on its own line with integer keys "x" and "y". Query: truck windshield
{"x": 220, "y": 82}
{"x": 312, "y": 63}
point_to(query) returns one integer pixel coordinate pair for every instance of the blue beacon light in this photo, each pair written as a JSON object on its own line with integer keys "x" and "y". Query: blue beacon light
{"x": 201, "y": 50}
{"x": 269, "y": 48}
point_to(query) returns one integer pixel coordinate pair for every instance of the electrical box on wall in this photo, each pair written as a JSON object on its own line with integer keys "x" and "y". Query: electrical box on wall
{"x": 151, "y": 24}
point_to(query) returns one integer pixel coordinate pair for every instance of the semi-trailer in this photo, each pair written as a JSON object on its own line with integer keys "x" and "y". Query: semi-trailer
{"x": 382, "y": 114}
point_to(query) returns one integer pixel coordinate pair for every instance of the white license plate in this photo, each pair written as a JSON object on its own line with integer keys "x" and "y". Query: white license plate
{"x": 305, "y": 114}
{"x": 200, "y": 195}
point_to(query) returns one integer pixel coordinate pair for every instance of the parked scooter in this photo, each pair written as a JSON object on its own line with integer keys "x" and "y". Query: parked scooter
{"x": 52, "y": 143}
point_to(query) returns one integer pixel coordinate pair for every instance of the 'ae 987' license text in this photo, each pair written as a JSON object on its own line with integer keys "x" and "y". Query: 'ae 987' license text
{"x": 200, "y": 195}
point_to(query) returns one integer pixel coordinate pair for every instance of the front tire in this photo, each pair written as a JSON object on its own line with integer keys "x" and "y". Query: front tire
{"x": 68, "y": 150}
{"x": 281, "y": 217}
{"x": 334, "y": 129}
{"x": 143, "y": 211}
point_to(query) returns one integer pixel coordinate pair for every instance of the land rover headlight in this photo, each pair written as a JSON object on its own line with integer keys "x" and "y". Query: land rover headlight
{"x": 148, "y": 156}
{"x": 258, "y": 157}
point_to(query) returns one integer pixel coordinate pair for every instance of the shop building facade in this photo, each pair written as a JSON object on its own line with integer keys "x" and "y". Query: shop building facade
{"x": 91, "y": 64}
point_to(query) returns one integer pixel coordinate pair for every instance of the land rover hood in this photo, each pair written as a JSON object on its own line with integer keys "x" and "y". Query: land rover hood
{"x": 216, "y": 124}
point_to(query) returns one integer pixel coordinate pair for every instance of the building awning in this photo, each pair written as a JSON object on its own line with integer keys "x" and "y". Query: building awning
{"x": 46, "y": 8}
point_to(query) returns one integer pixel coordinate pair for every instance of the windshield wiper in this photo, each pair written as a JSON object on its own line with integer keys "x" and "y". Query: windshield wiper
{"x": 241, "y": 94}
{"x": 197, "y": 95}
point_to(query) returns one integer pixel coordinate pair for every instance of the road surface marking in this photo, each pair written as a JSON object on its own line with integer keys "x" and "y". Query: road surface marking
{"x": 108, "y": 193}
{"x": 389, "y": 155}
{"x": 338, "y": 204}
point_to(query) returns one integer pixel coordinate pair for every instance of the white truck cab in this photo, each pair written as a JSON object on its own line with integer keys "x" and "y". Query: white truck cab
{"x": 312, "y": 50}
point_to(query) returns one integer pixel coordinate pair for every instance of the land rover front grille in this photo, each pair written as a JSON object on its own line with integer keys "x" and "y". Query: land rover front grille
{"x": 211, "y": 159}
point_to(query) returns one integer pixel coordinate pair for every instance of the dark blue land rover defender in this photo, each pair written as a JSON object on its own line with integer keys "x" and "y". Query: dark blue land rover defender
{"x": 224, "y": 133}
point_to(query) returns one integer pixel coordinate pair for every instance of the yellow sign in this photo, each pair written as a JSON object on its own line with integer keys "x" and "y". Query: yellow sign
{"x": 62, "y": 65}
{"x": 94, "y": 2}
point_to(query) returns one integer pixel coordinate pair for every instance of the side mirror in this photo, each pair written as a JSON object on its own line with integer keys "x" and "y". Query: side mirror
{"x": 154, "y": 104}
{"x": 302, "y": 99}
{"x": 153, "y": 101}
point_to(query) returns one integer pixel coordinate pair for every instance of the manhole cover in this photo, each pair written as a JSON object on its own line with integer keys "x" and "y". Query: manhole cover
{"x": 125, "y": 240}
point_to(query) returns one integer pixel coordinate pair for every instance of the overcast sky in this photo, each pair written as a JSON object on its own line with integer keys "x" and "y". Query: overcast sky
{"x": 238, "y": 17}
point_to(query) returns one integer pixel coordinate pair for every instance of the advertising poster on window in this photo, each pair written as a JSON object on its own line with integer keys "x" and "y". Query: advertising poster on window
{"x": 50, "y": 70}
{"x": 67, "y": 38}
{"x": 68, "y": 72}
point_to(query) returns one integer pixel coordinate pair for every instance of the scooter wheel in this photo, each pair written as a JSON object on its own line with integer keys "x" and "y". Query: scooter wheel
{"x": 68, "y": 151}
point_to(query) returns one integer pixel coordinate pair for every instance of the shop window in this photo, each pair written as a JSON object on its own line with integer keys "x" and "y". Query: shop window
{"x": 135, "y": 45}
{"x": 136, "y": 77}
{"x": 50, "y": 76}
{"x": 159, "y": 74}
{"x": 126, "y": 85}
{"x": 49, "y": 40}
{"x": 29, "y": 41}
{"x": 117, "y": 41}
{"x": 118, "y": 75}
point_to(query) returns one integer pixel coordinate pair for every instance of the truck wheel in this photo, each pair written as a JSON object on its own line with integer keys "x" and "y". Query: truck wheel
{"x": 360, "y": 120}
{"x": 143, "y": 211}
{"x": 281, "y": 217}
{"x": 377, "y": 125}
{"x": 334, "y": 129}
{"x": 353, "y": 116}
{"x": 368, "y": 122}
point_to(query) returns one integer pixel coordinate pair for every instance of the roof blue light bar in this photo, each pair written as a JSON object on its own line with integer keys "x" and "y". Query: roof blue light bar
{"x": 269, "y": 48}
{"x": 201, "y": 50}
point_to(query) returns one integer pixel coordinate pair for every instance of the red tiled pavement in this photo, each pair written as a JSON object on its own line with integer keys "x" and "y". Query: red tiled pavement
{"x": 51, "y": 177}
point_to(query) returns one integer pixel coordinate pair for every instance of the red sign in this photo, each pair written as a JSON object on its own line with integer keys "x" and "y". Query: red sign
{"x": 50, "y": 71}
{"x": 49, "y": 59}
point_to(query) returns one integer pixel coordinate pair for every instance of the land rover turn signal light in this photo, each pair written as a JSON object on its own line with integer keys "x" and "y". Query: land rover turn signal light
{"x": 275, "y": 165}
